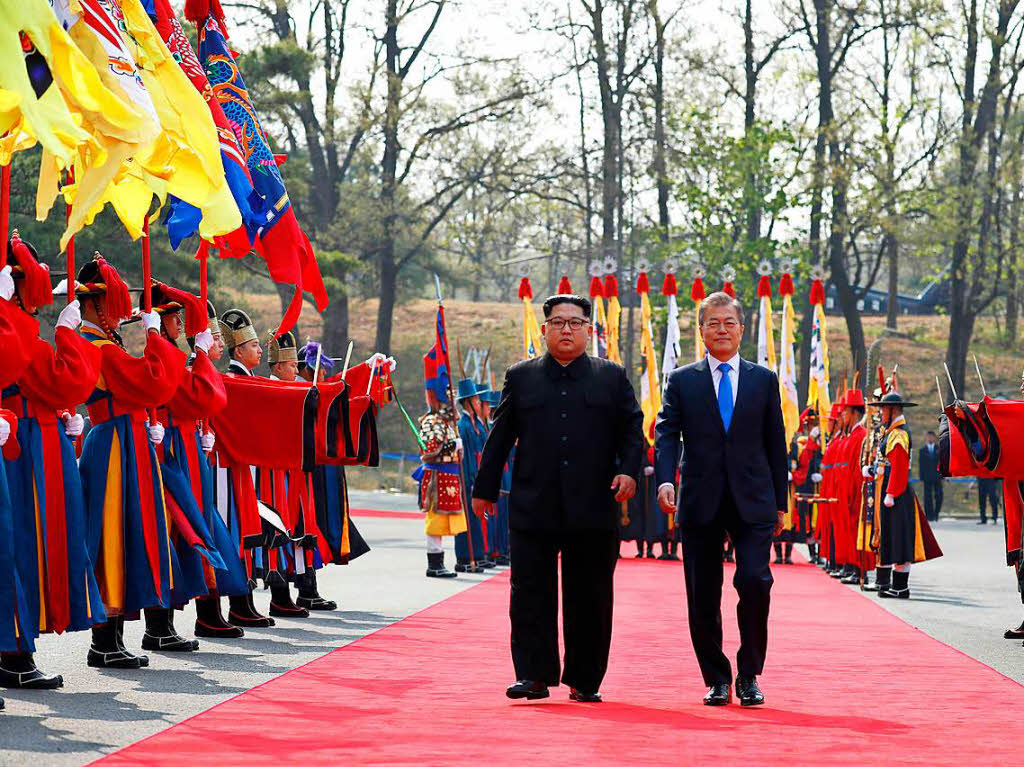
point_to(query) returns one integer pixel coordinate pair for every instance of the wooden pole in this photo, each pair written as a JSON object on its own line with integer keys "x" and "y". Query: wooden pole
{"x": 69, "y": 252}
{"x": 5, "y": 208}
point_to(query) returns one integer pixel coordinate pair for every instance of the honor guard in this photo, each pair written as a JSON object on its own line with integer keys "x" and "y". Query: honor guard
{"x": 125, "y": 512}
{"x": 45, "y": 486}
{"x": 470, "y": 551}
{"x": 904, "y": 536}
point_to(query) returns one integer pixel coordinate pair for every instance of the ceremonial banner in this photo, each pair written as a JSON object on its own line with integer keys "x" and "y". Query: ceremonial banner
{"x": 600, "y": 337}
{"x": 765, "y": 326}
{"x": 611, "y": 292}
{"x": 650, "y": 389}
{"x": 787, "y": 360}
{"x": 817, "y": 392}
{"x": 286, "y": 248}
{"x": 532, "y": 345}
{"x": 435, "y": 361}
{"x": 672, "y": 337}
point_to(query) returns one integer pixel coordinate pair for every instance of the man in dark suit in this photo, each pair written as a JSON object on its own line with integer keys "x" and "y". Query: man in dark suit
{"x": 580, "y": 444}
{"x": 928, "y": 464}
{"x": 727, "y": 412}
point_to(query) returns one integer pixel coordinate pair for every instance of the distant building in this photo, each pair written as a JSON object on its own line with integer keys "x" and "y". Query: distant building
{"x": 928, "y": 301}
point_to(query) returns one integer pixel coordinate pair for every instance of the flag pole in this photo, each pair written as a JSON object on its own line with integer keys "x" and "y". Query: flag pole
{"x": 464, "y": 495}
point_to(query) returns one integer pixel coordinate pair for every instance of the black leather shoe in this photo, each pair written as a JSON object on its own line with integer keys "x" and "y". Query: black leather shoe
{"x": 718, "y": 695}
{"x": 528, "y": 689}
{"x": 486, "y": 564}
{"x": 116, "y": 658}
{"x": 1017, "y": 633}
{"x": 31, "y": 679}
{"x": 748, "y": 691}
{"x": 584, "y": 697}
{"x": 463, "y": 568}
{"x": 172, "y": 643}
{"x": 502, "y": 561}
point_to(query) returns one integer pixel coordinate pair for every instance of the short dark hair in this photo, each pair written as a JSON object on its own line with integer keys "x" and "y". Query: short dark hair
{"x": 566, "y": 298}
{"x": 930, "y": 433}
{"x": 719, "y": 298}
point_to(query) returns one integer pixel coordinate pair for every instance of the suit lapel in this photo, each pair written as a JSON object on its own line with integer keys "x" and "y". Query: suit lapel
{"x": 707, "y": 386}
{"x": 742, "y": 384}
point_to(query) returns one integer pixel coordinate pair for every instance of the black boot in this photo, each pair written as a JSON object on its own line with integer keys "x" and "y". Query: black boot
{"x": 210, "y": 623}
{"x": 502, "y": 560}
{"x": 160, "y": 634}
{"x": 883, "y": 579}
{"x": 650, "y": 550}
{"x": 812, "y": 553}
{"x": 787, "y": 554}
{"x": 852, "y": 578}
{"x": 281, "y": 604}
{"x": 468, "y": 567}
{"x": 639, "y": 550}
{"x": 309, "y": 596}
{"x": 900, "y": 588}
{"x": 108, "y": 650}
{"x": 18, "y": 670}
{"x": 436, "y": 568}
{"x": 778, "y": 552}
{"x": 664, "y": 551}
{"x": 673, "y": 547}
{"x": 242, "y": 612}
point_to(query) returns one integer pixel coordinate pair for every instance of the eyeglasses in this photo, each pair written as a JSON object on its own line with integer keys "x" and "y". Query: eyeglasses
{"x": 716, "y": 324}
{"x": 559, "y": 323}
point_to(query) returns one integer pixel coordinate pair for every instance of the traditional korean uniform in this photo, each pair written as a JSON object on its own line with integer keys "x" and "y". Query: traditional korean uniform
{"x": 470, "y": 549}
{"x": 904, "y": 536}
{"x": 45, "y": 486}
{"x": 440, "y": 487}
{"x": 127, "y": 520}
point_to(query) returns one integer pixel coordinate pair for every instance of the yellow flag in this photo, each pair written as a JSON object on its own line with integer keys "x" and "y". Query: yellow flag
{"x": 650, "y": 389}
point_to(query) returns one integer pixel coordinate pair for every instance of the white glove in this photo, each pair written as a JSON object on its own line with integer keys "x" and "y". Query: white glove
{"x": 204, "y": 340}
{"x": 207, "y": 441}
{"x": 458, "y": 444}
{"x": 156, "y": 432}
{"x": 150, "y": 321}
{"x": 5, "y": 431}
{"x": 74, "y": 424}
{"x": 70, "y": 316}
{"x": 815, "y": 477}
{"x": 815, "y": 432}
{"x": 375, "y": 360}
{"x": 6, "y": 283}
{"x": 61, "y": 288}
{"x": 392, "y": 364}
{"x": 790, "y": 476}
{"x": 889, "y": 501}
{"x": 648, "y": 471}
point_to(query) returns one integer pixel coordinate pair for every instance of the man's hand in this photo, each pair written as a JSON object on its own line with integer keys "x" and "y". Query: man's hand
{"x": 482, "y": 508}
{"x": 888, "y": 501}
{"x": 74, "y": 424}
{"x": 780, "y": 521}
{"x": 667, "y": 499}
{"x": 624, "y": 487}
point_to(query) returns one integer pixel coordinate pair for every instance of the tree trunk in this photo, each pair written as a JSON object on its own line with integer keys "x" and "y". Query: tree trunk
{"x": 749, "y": 117}
{"x": 387, "y": 265}
{"x": 660, "y": 166}
{"x": 1012, "y": 290}
{"x": 336, "y": 330}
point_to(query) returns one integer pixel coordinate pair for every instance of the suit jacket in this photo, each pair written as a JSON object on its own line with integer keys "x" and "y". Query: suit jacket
{"x": 928, "y": 464}
{"x": 577, "y": 427}
{"x": 749, "y": 459}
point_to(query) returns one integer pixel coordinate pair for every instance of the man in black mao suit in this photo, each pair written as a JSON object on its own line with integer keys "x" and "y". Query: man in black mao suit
{"x": 580, "y": 444}
{"x": 733, "y": 480}
{"x": 928, "y": 464}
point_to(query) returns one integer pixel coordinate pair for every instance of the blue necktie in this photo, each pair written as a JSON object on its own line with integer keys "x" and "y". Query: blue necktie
{"x": 725, "y": 404}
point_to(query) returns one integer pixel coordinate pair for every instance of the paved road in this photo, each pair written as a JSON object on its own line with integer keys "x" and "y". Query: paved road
{"x": 965, "y": 599}
{"x": 98, "y": 711}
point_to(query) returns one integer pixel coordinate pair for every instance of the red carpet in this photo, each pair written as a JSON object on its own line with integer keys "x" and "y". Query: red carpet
{"x": 847, "y": 683}
{"x": 386, "y": 513}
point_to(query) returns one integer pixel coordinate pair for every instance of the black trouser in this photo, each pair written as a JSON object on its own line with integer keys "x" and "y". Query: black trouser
{"x": 588, "y": 568}
{"x": 702, "y": 564}
{"x": 932, "y": 499}
{"x": 988, "y": 490}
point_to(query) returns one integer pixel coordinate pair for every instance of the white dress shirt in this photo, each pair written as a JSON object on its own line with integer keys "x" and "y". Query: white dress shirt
{"x": 734, "y": 374}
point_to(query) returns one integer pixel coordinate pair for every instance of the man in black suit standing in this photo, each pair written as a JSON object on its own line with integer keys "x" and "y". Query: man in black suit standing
{"x": 928, "y": 463}
{"x": 580, "y": 444}
{"x": 727, "y": 412}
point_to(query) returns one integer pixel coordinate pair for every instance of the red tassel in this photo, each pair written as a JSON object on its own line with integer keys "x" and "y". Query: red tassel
{"x": 786, "y": 284}
{"x": 643, "y": 285}
{"x": 280, "y": 159}
{"x": 564, "y": 286}
{"x": 196, "y": 11}
{"x": 35, "y": 288}
{"x": 119, "y": 302}
{"x": 669, "y": 288}
{"x": 728, "y": 289}
{"x": 525, "y": 291}
{"x": 764, "y": 286}
{"x": 595, "y": 287}
{"x": 817, "y": 293}
{"x": 611, "y": 286}
{"x": 697, "y": 292}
